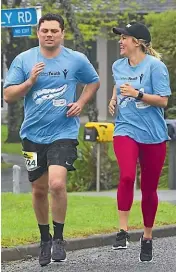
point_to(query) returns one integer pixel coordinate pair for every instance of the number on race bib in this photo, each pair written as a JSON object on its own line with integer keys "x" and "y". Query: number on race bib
{"x": 30, "y": 163}
{"x": 30, "y": 160}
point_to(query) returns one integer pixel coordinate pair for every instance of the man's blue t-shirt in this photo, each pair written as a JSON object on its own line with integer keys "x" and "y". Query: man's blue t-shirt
{"x": 136, "y": 119}
{"x": 45, "y": 105}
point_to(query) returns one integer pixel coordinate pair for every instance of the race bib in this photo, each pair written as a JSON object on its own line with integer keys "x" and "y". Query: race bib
{"x": 30, "y": 160}
{"x": 141, "y": 105}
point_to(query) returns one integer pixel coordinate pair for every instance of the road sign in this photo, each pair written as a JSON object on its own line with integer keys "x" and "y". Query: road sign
{"x": 18, "y": 17}
{"x": 21, "y": 31}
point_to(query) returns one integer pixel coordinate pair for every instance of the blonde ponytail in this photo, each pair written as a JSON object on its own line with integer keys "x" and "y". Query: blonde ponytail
{"x": 147, "y": 48}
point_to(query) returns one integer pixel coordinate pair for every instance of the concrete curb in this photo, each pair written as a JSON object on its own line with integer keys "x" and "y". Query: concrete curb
{"x": 29, "y": 251}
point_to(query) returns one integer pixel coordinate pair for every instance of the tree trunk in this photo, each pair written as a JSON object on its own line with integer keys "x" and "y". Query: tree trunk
{"x": 80, "y": 46}
{"x": 15, "y": 117}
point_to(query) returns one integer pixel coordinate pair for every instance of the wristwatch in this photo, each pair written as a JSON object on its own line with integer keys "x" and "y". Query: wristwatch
{"x": 140, "y": 95}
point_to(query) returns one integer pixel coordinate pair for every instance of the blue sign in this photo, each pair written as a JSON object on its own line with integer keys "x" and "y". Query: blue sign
{"x": 21, "y": 31}
{"x": 18, "y": 17}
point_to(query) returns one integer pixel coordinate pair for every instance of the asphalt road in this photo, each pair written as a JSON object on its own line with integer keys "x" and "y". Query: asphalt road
{"x": 104, "y": 259}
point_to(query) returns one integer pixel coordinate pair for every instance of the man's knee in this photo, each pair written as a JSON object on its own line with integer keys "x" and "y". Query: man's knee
{"x": 40, "y": 189}
{"x": 57, "y": 185}
{"x": 39, "y": 192}
{"x": 57, "y": 179}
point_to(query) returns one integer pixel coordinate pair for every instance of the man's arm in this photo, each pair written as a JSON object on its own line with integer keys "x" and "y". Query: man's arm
{"x": 14, "y": 92}
{"x": 87, "y": 75}
{"x": 88, "y": 92}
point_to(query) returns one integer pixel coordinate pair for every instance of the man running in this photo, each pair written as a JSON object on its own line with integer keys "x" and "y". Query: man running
{"x": 46, "y": 76}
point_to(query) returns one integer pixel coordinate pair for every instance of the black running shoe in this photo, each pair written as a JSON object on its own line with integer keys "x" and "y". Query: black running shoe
{"x": 122, "y": 240}
{"x": 45, "y": 252}
{"x": 146, "y": 251}
{"x": 58, "y": 251}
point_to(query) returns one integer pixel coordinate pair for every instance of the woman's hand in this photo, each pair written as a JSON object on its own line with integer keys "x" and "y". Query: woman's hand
{"x": 127, "y": 90}
{"x": 112, "y": 106}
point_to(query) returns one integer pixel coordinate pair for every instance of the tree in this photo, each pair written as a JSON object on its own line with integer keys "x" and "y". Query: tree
{"x": 163, "y": 27}
{"x": 80, "y": 45}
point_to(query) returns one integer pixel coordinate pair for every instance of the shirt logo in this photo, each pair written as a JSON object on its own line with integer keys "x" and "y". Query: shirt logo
{"x": 67, "y": 163}
{"x": 65, "y": 72}
{"x": 50, "y": 73}
{"x": 43, "y": 95}
{"x": 128, "y": 78}
{"x": 124, "y": 100}
{"x": 141, "y": 77}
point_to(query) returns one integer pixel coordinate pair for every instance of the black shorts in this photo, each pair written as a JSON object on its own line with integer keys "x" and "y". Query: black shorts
{"x": 38, "y": 157}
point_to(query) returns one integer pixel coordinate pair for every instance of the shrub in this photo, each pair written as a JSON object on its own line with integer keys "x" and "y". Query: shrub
{"x": 84, "y": 178}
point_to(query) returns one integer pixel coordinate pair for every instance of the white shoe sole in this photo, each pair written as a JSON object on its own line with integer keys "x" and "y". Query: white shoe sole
{"x": 145, "y": 261}
{"x": 60, "y": 261}
{"x": 121, "y": 247}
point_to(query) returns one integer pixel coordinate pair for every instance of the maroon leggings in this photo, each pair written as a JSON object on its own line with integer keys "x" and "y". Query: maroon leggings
{"x": 151, "y": 159}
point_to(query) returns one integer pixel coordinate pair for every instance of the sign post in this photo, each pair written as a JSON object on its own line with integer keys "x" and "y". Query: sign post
{"x": 21, "y": 31}
{"x": 20, "y": 19}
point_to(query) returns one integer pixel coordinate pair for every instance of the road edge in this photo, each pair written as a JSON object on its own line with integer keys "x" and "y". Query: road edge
{"x": 29, "y": 251}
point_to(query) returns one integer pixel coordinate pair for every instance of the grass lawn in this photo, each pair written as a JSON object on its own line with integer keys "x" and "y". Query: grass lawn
{"x": 10, "y": 148}
{"x": 85, "y": 216}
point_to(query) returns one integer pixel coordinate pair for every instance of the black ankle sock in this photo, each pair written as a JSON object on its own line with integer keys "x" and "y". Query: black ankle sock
{"x": 44, "y": 232}
{"x": 58, "y": 230}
